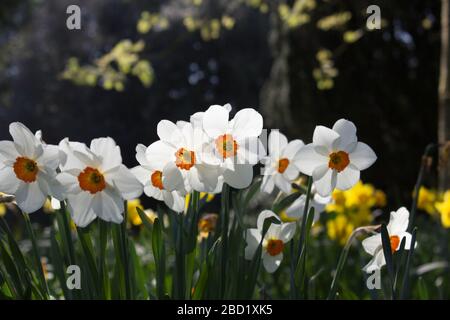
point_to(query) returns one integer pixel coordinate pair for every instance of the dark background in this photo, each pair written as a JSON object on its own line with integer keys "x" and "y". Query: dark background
{"x": 387, "y": 81}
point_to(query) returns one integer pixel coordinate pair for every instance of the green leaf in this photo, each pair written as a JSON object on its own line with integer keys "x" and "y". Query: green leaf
{"x": 285, "y": 202}
{"x": 387, "y": 251}
{"x": 406, "y": 275}
{"x": 158, "y": 248}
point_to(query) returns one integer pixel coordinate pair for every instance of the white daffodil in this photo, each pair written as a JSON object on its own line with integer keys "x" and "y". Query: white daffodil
{"x": 185, "y": 147}
{"x": 235, "y": 143}
{"x": 273, "y": 243}
{"x": 335, "y": 157}
{"x": 297, "y": 208}
{"x": 398, "y": 224}
{"x": 154, "y": 175}
{"x": 281, "y": 165}
{"x": 95, "y": 181}
{"x": 28, "y": 169}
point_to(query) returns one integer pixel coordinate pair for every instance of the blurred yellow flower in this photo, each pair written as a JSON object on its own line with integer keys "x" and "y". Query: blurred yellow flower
{"x": 132, "y": 213}
{"x": 339, "y": 229}
{"x": 427, "y": 200}
{"x": 361, "y": 195}
{"x": 2, "y": 209}
{"x": 444, "y": 210}
{"x": 203, "y": 195}
{"x": 285, "y": 218}
{"x": 206, "y": 225}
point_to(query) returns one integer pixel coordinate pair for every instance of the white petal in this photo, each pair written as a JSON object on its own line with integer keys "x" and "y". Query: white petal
{"x": 282, "y": 183}
{"x": 398, "y": 222}
{"x": 49, "y": 157}
{"x": 153, "y": 192}
{"x": 347, "y": 178}
{"x": 309, "y": 159}
{"x": 241, "y": 177}
{"x": 197, "y": 119}
{"x": 408, "y": 238}
{"x": 249, "y": 150}
{"x": 108, "y": 205}
{"x": 263, "y": 216}
{"x": 126, "y": 183}
{"x": 287, "y": 231}
{"x": 172, "y": 178}
{"x": 8, "y": 150}
{"x": 24, "y": 139}
{"x": 169, "y": 132}
{"x": 69, "y": 183}
{"x": 372, "y": 244}
{"x": 325, "y": 180}
{"x": 29, "y": 197}
{"x": 68, "y": 160}
{"x": 267, "y": 184}
{"x": 209, "y": 177}
{"x": 277, "y": 143}
{"x": 297, "y": 208}
{"x": 376, "y": 263}
{"x": 215, "y": 121}
{"x": 140, "y": 155}
{"x": 107, "y": 150}
{"x": 142, "y": 174}
{"x": 292, "y": 149}
{"x": 271, "y": 263}
{"x": 50, "y": 185}
{"x": 325, "y": 137}
{"x": 291, "y": 172}
{"x": 174, "y": 201}
{"x": 347, "y": 131}
{"x": 247, "y": 123}
{"x": 362, "y": 156}
{"x": 253, "y": 239}
{"x": 8, "y": 180}
{"x": 80, "y": 208}
{"x": 159, "y": 153}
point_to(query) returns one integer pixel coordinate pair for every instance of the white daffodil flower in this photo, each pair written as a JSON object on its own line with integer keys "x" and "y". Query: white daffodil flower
{"x": 153, "y": 176}
{"x": 398, "y": 224}
{"x": 95, "y": 181}
{"x": 297, "y": 208}
{"x": 185, "y": 147}
{"x": 235, "y": 143}
{"x": 281, "y": 165}
{"x": 28, "y": 169}
{"x": 335, "y": 157}
{"x": 273, "y": 243}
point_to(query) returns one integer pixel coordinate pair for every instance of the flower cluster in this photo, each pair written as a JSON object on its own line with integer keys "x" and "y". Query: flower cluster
{"x": 436, "y": 204}
{"x": 351, "y": 209}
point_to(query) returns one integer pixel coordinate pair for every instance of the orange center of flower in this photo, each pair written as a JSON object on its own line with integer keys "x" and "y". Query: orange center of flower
{"x": 339, "y": 161}
{"x": 91, "y": 180}
{"x": 26, "y": 169}
{"x": 282, "y": 165}
{"x": 156, "y": 178}
{"x": 185, "y": 159}
{"x": 395, "y": 241}
{"x": 226, "y": 146}
{"x": 274, "y": 247}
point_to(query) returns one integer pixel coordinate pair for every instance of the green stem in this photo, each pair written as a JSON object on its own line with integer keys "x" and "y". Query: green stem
{"x": 225, "y": 214}
{"x": 36, "y": 255}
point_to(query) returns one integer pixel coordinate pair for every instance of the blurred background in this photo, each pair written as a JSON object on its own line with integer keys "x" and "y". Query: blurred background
{"x": 299, "y": 62}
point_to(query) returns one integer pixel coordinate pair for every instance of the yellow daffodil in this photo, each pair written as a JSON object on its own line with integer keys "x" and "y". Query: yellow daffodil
{"x": 339, "y": 229}
{"x": 2, "y": 209}
{"x": 361, "y": 195}
{"x": 427, "y": 200}
{"x": 444, "y": 210}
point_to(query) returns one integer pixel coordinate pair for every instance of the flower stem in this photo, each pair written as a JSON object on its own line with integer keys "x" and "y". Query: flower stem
{"x": 225, "y": 214}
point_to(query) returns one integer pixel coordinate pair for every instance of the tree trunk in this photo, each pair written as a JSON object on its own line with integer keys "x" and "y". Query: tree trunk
{"x": 444, "y": 98}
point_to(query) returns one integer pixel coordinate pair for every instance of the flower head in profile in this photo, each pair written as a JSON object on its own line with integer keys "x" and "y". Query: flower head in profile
{"x": 28, "y": 169}
{"x": 234, "y": 143}
{"x": 398, "y": 224}
{"x": 95, "y": 181}
{"x": 281, "y": 165}
{"x": 273, "y": 243}
{"x": 296, "y": 209}
{"x": 335, "y": 157}
{"x": 160, "y": 178}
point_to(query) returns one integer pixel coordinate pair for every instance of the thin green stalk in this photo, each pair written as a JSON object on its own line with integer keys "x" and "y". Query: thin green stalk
{"x": 36, "y": 256}
{"x": 102, "y": 270}
{"x": 225, "y": 215}
{"x": 305, "y": 215}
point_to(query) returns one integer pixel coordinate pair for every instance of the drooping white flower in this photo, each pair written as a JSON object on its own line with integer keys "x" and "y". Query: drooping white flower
{"x": 155, "y": 175}
{"x": 95, "y": 181}
{"x": 235, "y": 143}
{"x": 398, "y": 224}
{"x": 28, "y": 169}
{"x": 186, "y": 148}
{"x": 273, "y": 243}
{"x": 281, "y": 165}
{"x": 335, "y": 157}
{"x": 296, "y": 209}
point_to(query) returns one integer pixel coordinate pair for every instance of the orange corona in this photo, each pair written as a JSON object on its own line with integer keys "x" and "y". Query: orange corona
{"x": 274, "y": 247}
{"x": 282, "y": 165}
{"x": 26, "y": 169}
{"x": 91, "y": 180}
{"x": 226, "y": 146}
{"x": 339, "y": 161}
{"x": 156, "y": 179}
{"x": 395, "y": 241}
{"x": 185, "y": 159}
